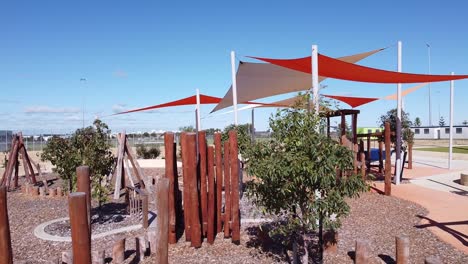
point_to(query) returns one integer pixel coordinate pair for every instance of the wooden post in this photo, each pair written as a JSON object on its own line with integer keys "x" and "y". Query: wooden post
{"x": 144, "y": 210}
{"x": 42, "y": 191}
{"x": 211, "y": 197}
{"x": 380, "y": 155}
{"x": 368, "y": 156}
{"x": 388, "y": 162}
{"x": 140, "y": 247}
{"x": 15, "y": 179}
{"x": 402, "y": 250}
{"x": 81, "y": 239}
{"x": 343, "y": 124}
{"x": 190, "y": 160}
{"x": 118, "y": 251}
{"x": 354, "y": 128}
{"x": 219, "y": 181}
{"x": 35, "y": 190}
{"x": 203, "y": 181}
{"x": 119, "y": 176}
{"x": 227, "y": 192}
{"x": 52, "y": 192}
{"x": 234, "y": 186}
{"x": 362, "y": 252}
{"x": 185, "y": 195}
{"x": 28, "y": 162}
{"x": 98, "y": 257}
{"x": 83, "y": 185}
{"x": 6, "y": 253}
{"x": 170, "y": 174}
{"x": 162, "y": 220}
{"x": 363, "y": 166}
{"x": 328, "y": 126}
{"x": 410, "y": 156}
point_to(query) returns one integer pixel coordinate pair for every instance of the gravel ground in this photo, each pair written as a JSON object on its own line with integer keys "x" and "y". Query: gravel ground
{"x": 375, "y": 218}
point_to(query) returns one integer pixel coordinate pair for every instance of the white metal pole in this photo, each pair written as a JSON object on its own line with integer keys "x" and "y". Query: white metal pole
{"x": 315, "y": 81}
{"x": 429, "y": 86}
{"x": 253, "y": 125}
{"x": 198, "y": 123}
{"x": 234, "y": 85}
{"x": 452, "y": 87}
{"x": 398, "y": 122}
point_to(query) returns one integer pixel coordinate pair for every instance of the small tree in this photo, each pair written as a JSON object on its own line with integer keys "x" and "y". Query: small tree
{"x": 243, "y": 135}
{"x": 88, "y": 146}
{"x": 295, "y": 177}
{"x": 441, "y": 121}
{"x": 187, "y": 129}
{"x": 417, "y": 122}
{"x": 465, "y": 122}
{"x": 391, "y": 117}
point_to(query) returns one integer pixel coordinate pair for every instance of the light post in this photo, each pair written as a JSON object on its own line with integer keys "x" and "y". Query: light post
{"x": 83, "y": 80}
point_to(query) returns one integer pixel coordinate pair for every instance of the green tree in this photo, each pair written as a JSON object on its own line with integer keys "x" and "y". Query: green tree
{"x": 391, "y": 116}
{"x": 465, "y": 122}
{"x": 417, "y": 122}
{"x": 441, "y": 121}
{"x": 187, "y": 129}
{"x": 243, "y": 135}
{"x": 296, "y": 180}
{"x": 88, "y": 146}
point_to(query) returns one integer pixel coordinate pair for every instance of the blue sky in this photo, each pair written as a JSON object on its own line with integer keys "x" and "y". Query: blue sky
{"x": 139, "y": 53}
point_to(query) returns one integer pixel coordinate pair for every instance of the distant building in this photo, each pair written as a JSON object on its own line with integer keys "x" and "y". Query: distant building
{"x": 367, "y": 130}
{"x": 440, "y": 132}
{"x": 5, "y": 139}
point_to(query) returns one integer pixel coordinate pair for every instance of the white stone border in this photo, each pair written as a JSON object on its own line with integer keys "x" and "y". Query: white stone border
{"x": 39, "y": 231}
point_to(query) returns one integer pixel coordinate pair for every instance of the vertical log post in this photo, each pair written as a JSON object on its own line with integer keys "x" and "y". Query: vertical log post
{"x": 203, "y": 181}
{"x": 211, "y": 197}
{"x": 171, "y": 175}
{"x": 388, "y": 162}
{"x": 81, "y": 239}
{"x": 118, "y": 251}
{"x": 354, "y": 128}
{"x": 219, "y": 181}
{"x": 363, "y": 165}
{"x": 83, "y": 185}
{"x": 144, "y": 210}
{"x": 186, "y": 190}
{"x": 190, "y": 160}
{"x": 380, "y": 155}
{"x": 235, "y": 185}
{"x": 410, "y": 156}
{"x": 15, "y": 179}
{"x": 328, "y": 126}
{"x": 6, "y": 254}
{"x": 362, "y": 252}
{"x": 343, "y": 125}
{"x": 402, "y": 250}
{"x": 227, "y": 192}
{"x": 162, "y": 220}
{"x": 368, "y": 156}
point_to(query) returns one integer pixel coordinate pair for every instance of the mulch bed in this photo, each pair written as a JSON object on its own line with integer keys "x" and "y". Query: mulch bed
{"x": 373, "y": 217}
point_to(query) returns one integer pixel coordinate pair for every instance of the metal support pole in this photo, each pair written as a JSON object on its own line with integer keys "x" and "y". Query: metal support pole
{"x": 452, "y": 87}
{"x": 315, "y": 76}
{"x": 398, "y": 123}
{"x": 234, "y": 85}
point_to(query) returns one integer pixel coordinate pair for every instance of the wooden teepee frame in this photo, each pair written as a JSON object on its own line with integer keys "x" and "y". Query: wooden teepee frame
{"x": 122, "y": 173}
{"x": 17, "y": 148}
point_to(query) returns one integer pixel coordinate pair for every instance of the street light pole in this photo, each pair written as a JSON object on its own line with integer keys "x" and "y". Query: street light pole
{"x": 429, "y": 86}
{"x": 83, "y": 99}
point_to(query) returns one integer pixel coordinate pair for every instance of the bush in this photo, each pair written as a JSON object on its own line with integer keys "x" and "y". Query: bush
{"x": 148, "y": 153}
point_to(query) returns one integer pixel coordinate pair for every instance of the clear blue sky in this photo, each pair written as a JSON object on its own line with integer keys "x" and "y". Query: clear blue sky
{"x": 140, "y": 53}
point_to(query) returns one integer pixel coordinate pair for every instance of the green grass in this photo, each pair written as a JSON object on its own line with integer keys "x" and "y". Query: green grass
{"x": 462, "y": 150}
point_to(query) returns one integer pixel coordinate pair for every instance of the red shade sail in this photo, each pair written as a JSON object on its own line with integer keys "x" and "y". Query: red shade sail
{"x": 192, "y": 100}
{"x": 352, "y": 101}
{"x": 333, "y": 68}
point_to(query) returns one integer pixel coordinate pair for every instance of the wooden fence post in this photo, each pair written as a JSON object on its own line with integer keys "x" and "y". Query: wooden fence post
{"x": 203, "y": 181}
{"x": 186, "y": 184}
{"x": 388, "y": 162}
{"x": 81, "y": 239}
{"x": 171, "y": 175}
{"x": 410, "y": 156}
{"x": 380, "y": 155}
{"x": 162, "y": 220}
{"x": 211, "y": 197}
{"x": 144, "y": 210}
{"x": 362, "y": 252}
{"x": 234, "y": 186}
{"x": 227, "y": 192}
{"x": 402, "y": 250}
{"x": 118, "y": 251}
{"x": 219, "y": 181}
{"x": 83, "y": 185}
{"x": 190, "y": 160}
{"x": 6, "y": 254}
{"x": 363, "y": 165}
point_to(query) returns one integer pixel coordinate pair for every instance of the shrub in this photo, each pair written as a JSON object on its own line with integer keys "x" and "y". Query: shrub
{"x": 148, "y": 153}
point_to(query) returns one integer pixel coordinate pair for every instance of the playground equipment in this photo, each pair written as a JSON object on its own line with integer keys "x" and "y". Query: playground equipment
{"x": 18, "y": 150}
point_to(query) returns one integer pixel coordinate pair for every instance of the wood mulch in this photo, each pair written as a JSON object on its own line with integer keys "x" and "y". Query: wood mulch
{"x": 373, "y": 217}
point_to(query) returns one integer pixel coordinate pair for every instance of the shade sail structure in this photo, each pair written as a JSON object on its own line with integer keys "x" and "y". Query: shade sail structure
{"x": 352, "y": 101}
{"x": 405, "y": 92}
{"x": 338, "y": 69}
{"x": 260, "y": 80}
{"x": 191, "y": 100}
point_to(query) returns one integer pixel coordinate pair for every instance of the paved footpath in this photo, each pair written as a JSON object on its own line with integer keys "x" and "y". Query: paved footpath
{"x": 436, "y": 188}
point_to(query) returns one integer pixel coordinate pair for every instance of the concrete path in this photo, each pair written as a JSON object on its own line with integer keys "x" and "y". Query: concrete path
{"x": 436, "y": 188}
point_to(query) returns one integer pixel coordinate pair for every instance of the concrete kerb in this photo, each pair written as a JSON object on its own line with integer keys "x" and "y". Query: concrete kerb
{"x": 39, "y": 231}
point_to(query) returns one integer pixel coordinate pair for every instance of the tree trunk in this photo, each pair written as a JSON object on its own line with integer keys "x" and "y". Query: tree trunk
{"x": 320, "y": 238}
{"x": 305, "y": 258}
